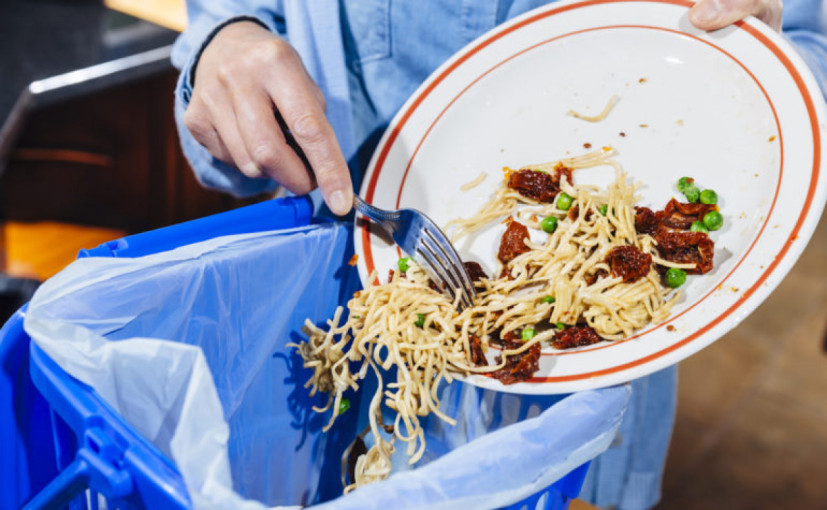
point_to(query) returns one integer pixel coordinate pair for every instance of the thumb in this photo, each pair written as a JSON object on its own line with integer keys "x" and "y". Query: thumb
{"x": 715, "y": 14}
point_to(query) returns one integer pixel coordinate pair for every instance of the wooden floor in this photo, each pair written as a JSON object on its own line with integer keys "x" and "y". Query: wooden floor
{"x": 751, "y": 430}
{"x": 39, "y": 250}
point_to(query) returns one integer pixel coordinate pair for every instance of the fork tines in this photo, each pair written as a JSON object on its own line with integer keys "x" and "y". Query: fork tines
{"x": 447, "y": 265}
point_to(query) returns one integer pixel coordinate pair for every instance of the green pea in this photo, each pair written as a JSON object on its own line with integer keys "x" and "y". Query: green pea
{"x": 713, "y": 220}
{"x": 404, "y": 264}
{"x": 675, "y": 277}
{"x": 549, "y": 224}
{"x": 357, "y": 317}
{"x": 604, "y": 209}
{"x": 684, "y": 183}
{"x": 547, "y": 299}
{"x": 692, "y": 194}
{"x": 527, "y": 334}
{"x": 560, "y": 326}
{"x": 564, "y": 201}
{"x": 344, "y": 405}
{"x": 708, "y": 197}
{"x": 420, "y": 320}
{"x": 698, "y": 226}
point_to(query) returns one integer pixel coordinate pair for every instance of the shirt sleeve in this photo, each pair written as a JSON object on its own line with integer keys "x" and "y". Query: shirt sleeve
{"x": 205, "y": 19}
{"x": 805, "y": 24}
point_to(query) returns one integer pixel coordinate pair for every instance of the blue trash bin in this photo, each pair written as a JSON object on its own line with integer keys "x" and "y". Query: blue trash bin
{"x": 63, "y": 446}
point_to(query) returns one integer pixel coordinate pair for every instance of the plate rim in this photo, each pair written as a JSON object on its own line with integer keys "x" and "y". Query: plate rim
{"x": 760, "y": 288}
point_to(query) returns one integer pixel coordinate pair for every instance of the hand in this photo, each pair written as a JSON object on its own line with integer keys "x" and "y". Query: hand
{"x": 715, "y": 14}
{"x": 244, "y": 74}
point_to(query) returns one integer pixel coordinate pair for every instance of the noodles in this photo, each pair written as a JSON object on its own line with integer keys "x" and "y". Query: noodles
{"x": 505, "y": 199}
{"x": 474, "y": 182}
{"x": 590, "y": 278}
{"x": 381, "y": 333}
{"x": 563, "y": 265}
{"x": 600, "y": 116}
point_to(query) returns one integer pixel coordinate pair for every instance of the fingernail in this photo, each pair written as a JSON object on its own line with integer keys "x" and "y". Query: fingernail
{"x": 338, "y": 202}
{"x": 706, "y": 12}
{"x": 251, "y": 170}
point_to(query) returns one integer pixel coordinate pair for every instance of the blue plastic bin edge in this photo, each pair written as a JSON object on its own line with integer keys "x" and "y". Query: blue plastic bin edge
{"x": 269, "y": 215}
{"x": 557, "y": 495}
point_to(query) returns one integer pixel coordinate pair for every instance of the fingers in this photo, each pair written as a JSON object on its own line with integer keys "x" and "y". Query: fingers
{"x": 317, "y": 140}
{"x": 715, "y": 14}
{"x": 222, "y": 116}
{"x": 297, "y": 102}
{"x": 244, "y": 76}
{"x": 265, "y": 142}
{"x": 198, "y": 123}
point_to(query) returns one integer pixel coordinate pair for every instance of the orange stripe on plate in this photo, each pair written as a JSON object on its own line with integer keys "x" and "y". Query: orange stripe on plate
{"x": 395, "y": 130}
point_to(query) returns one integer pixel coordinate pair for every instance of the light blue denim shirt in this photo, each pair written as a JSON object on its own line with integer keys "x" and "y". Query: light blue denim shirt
{"x": 368, "y": 57}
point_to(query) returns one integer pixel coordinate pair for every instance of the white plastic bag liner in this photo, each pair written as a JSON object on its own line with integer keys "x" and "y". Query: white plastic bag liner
{"x": 189, "y": 347}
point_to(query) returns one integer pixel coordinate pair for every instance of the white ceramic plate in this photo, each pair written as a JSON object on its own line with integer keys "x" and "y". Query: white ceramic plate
{"x": 736, "y": 109}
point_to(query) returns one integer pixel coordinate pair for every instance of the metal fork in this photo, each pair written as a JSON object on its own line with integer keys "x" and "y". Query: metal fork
{"x": 423, "y": 241}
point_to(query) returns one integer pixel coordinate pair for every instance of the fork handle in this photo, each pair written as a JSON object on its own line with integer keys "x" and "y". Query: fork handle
{"x": 363, "y": 207}
{"x": 358, "y": 203}
{"x": 374, "y": 213}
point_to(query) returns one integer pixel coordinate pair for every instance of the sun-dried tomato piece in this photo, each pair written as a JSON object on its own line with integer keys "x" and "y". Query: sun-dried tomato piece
{"x": 680, "y": 215}
{"x": 575, "y": 336}
{"x": 510, "y": 340}
{"x": 687, "y": 248}
{"x": 477, "y": 355}
{"x": 629, "y": 263}
{"x": 534, "y": 184}
{"x": 537, "y": 185}
{"x": 646, "y": 221}
{"x": 518, "y": 367}
{"x": 474, "y": 270}
{"x": 592, "y": 278}
{"x": 513, "y": 242}
{"x": 561, "y": 171}
{"x": 574, "y": 212}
